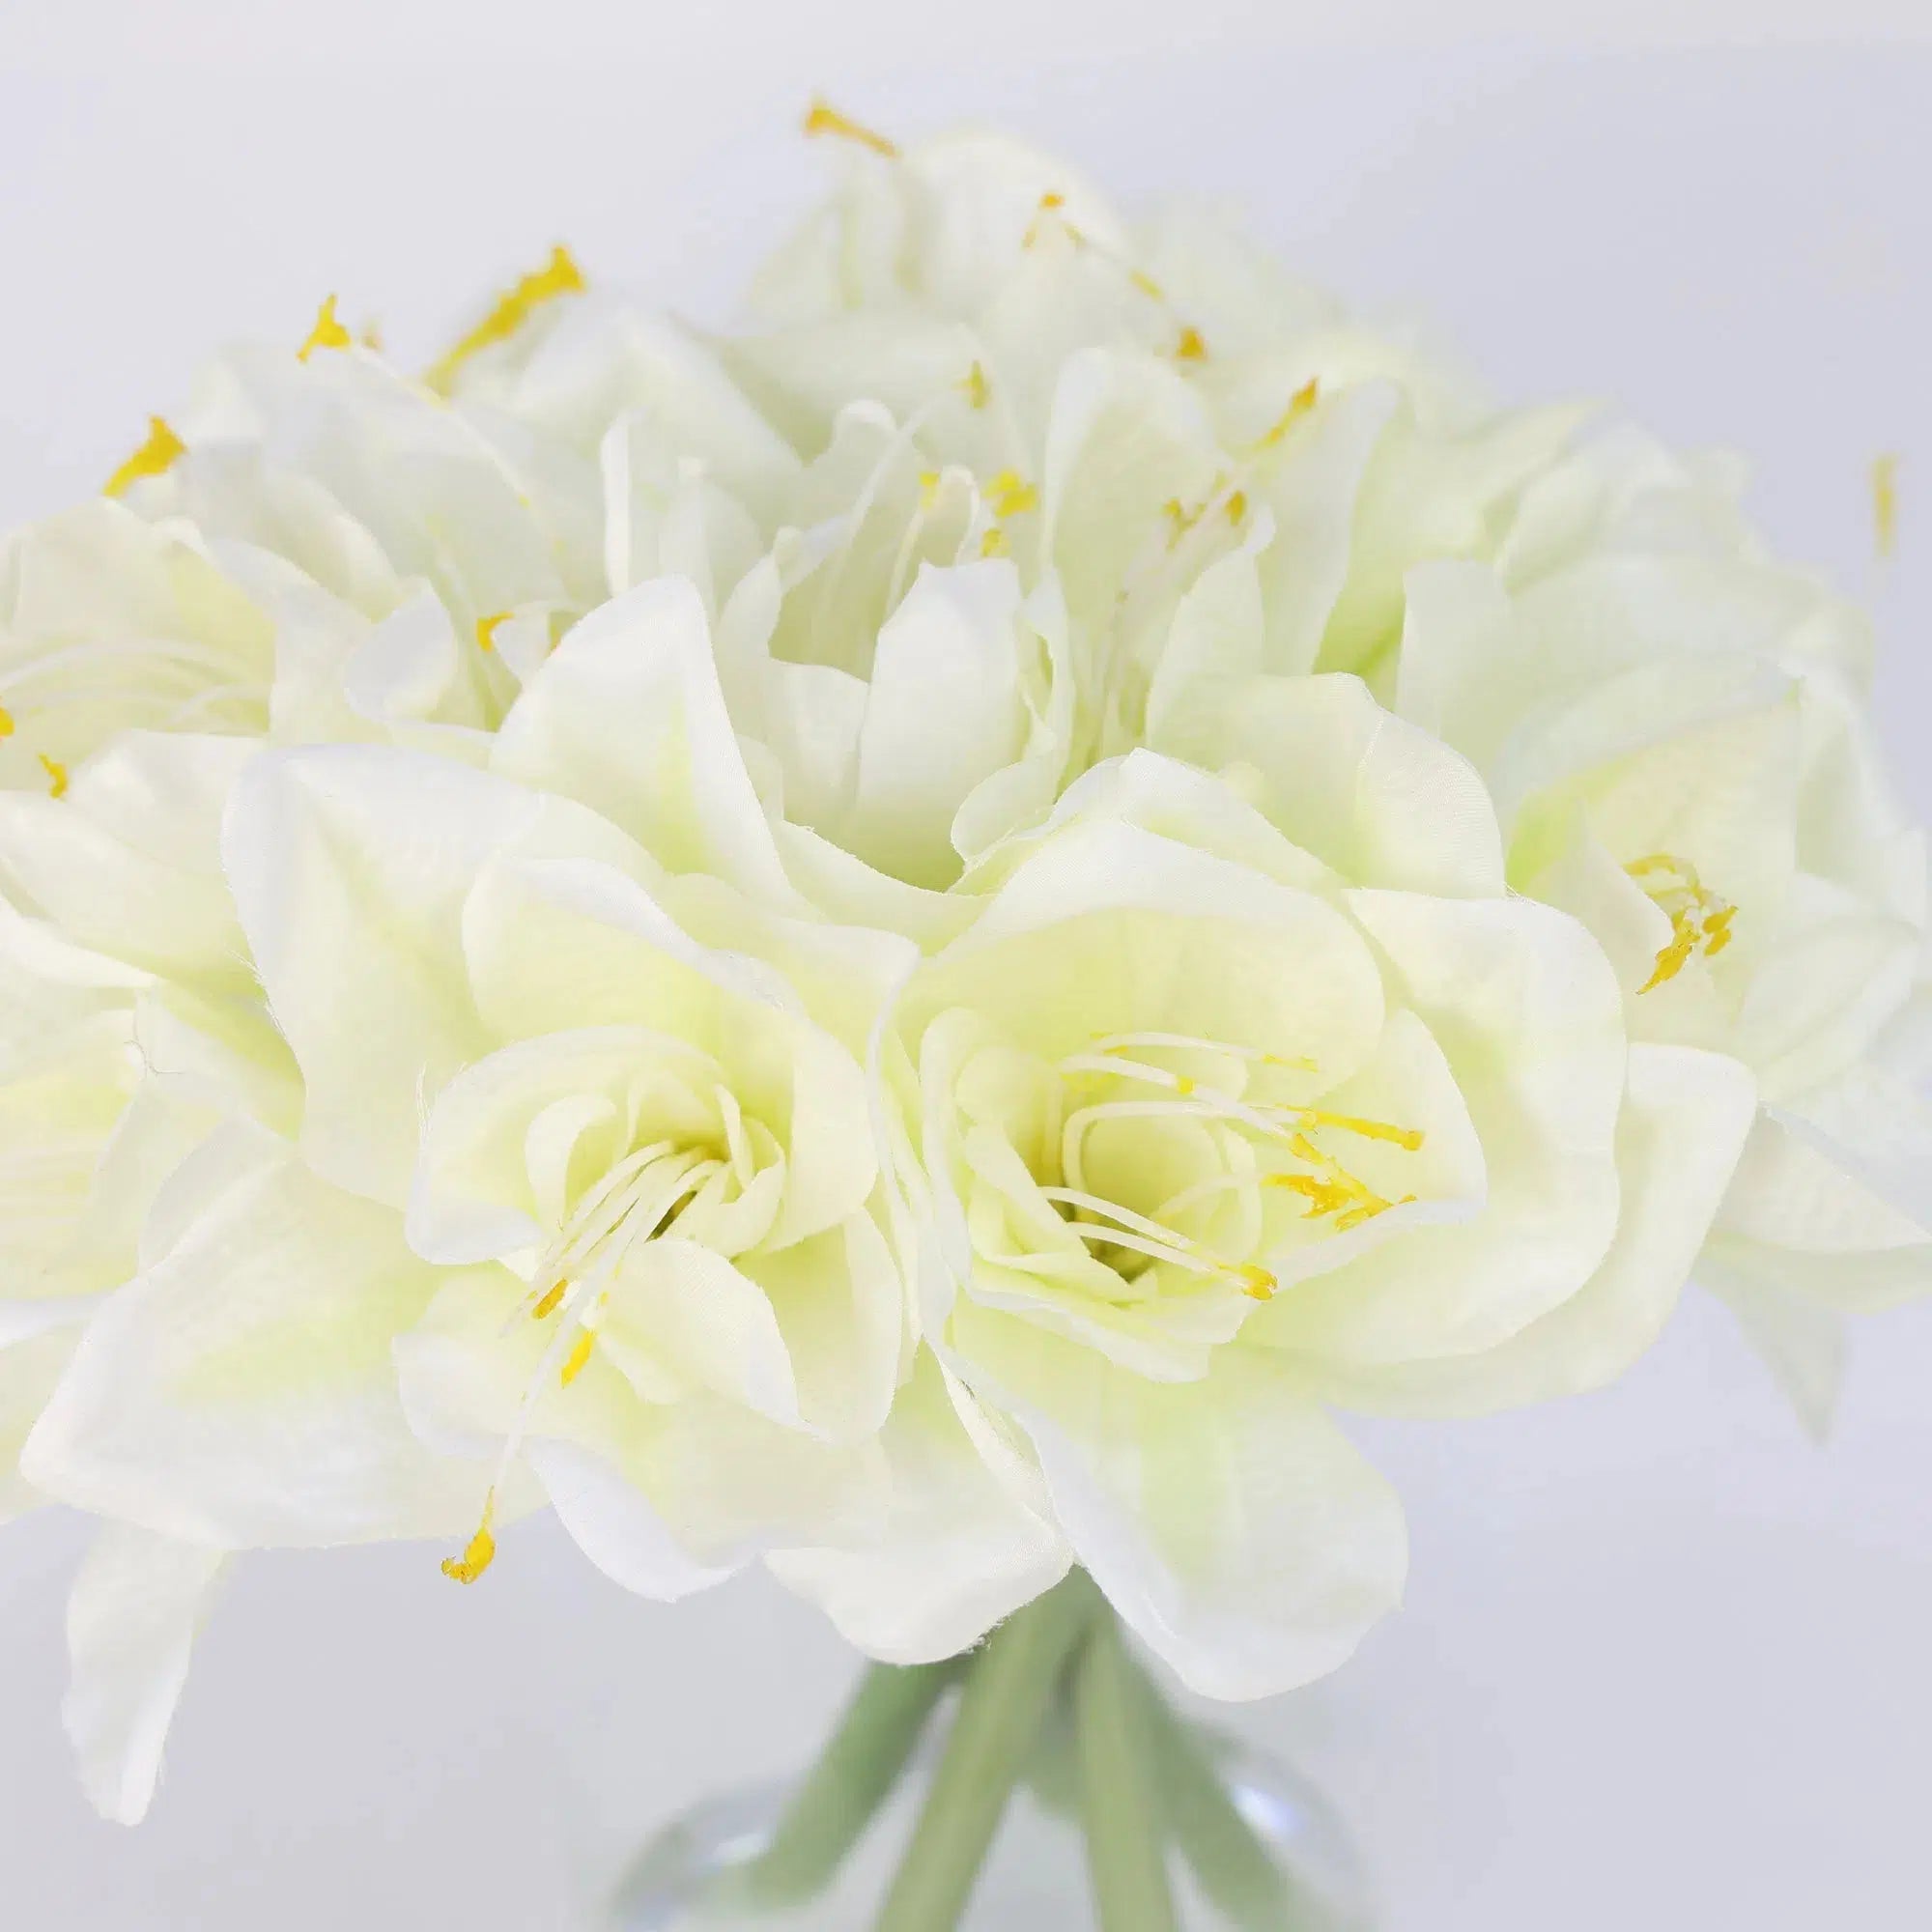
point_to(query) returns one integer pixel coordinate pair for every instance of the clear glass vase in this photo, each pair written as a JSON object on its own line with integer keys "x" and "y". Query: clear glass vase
{"x": 1041, "y": 1784}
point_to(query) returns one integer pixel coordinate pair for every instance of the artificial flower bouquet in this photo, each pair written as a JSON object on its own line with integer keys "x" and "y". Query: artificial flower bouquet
{"x": 910, "y": 943}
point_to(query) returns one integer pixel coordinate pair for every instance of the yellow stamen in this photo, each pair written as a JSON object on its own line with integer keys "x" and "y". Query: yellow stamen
{"x": 478, "y": 1554}
{"x": 1299, "y": 403}
{"x": 1698, "y": 917}
{"x": 154, "y": 458}
{"x": 327, "y": 332}
{"x": 1147, "y": 284}
{"x": 928, "y": 488}
{"x": 1410, "y": 1138}
{"x": 579, "y": 1355}
{"x": 822, "y": 118}
{"x": 1051, "y": 203}
{"x": 1192, "y": 346}
{"x": 1884, "y": 501}
{"x": 994, "y": 542}
{"x": 552, "y": 1296}
{"x": 975, "y": 384}
{"x": 1237, "y": 506}
{"x": 1257, "y": 1282}
{"x": 560, "y": 276}
{"x": 1011, "y": 493}
{"x": 488, "y": 627}
{"x": 56, "y": 775}
{"x": 6, "y": 723}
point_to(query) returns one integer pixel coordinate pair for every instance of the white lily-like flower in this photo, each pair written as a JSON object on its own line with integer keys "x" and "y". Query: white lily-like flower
{"x": 1220, "y": 1116}
{"x": 1674, "y": 730}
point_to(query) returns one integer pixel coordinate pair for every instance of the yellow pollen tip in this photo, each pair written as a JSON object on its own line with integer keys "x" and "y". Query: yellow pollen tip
{"x": 6, "y": 723}
{"x": 558, "y": 276}
{"x": 56, "y": 775}
{"x": 327, "y": 332}
{"x": 1192, "y": 346}
{"x": 928, "y": 488}
{"x": 1051, "y": 200}
{"x": 1237, "y": 506}
{"x": 552, "y": 1296}
{"x": 822, "y": 118}
{"x": 1011, "y": 494}
{"x": 476, "y": 1558}
{"x": 154, "y": 458}
{"x": 994, "y": 542}
{"x": 976, "y": 386}
{"x": 1257, "y": 1282}
{"x": 1299, "y": 403}
{"x": 488, "y": 627}
{"x": 1147, "y": 284}
{"x": 579, "y": 1355}
{"x": 1698, "y": 917}
{"x": 1885, "y": 502}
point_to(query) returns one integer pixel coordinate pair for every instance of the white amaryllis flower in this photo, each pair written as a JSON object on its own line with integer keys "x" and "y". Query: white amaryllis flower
{"x": 1674, "y": 730}
{"x": 599, "y": 1157}
{"x": 1218, "y": 1115}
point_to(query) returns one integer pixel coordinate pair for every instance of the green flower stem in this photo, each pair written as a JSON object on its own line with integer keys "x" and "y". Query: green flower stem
{"x": 1119, "y": 1794}
{"x": 1234, "y": 1867}
{"x": 853, "y": 1777}
{"x": 1009, "y": 1688}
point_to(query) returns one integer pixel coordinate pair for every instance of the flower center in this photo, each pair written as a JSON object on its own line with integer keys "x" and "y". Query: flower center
{"x": 643, "y": 1196}
{"x": 1698, "y": 917}
{"x": 1285, "y": 1139}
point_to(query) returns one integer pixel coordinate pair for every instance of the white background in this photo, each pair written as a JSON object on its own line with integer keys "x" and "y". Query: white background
{"x": 1663, "y": 1665}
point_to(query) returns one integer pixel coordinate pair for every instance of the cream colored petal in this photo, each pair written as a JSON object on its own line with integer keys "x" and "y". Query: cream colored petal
{"x": 957, "y": 1551}
{"x": 132, "y": 1622}
{"x": 240, "y": 1390}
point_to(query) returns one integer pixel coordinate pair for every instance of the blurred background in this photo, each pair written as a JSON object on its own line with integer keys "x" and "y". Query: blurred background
{"x": 1664, "y": 1664}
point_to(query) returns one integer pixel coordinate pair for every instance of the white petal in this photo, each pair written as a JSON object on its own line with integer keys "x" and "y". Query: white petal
{"x": 350, "y": 868}
{"x": 240, "y": 1391}
{"x": 137, "y": 1604}
{"x": 957, "y": 1552}
{"x": 626, "y": 716}
{"x": 1231, "y": 1523}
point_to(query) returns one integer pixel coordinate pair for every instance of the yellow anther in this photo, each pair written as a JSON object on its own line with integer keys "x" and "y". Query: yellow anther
{"x": 1192, "y": 346}
{"x": 1368, "y": 1212}
{"x": 1011, "y": 493}
{"x": 154, "y": 458}
{"x": 1698, "y": 917}
{"x": 327, "y": 332}
{"x": 56, "y": 775}
{"x": 579, "y": 1354}
{"x": 1257, "y": 1282}
{"x": 822, "y": 118}
{"x": 928, "y": 488}
{"x": 1410, "y": 1138}
{"x": 1050, "y": 204}
{"x": 477, "y": 1556}
{"x": 1147, "y": 284}
{"x": 552, "y": 1296}
{"x": 1182, "y": 1085}
{"x": 1299, "y": 403}
{"x": 1237, "y": 506}
{"x": 994, "y": 542}
{"x": 558, "y": 276}
{"x": 6, "y": 723}
{"x": 1323, "y": 1196}
{"x": 488, "y": 627}
{"x": 976, "y": 386}
{"x": 1884, "y": 501}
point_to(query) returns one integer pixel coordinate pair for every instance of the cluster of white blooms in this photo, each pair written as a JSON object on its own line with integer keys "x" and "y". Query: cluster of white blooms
{"x": 907, "y": 943}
